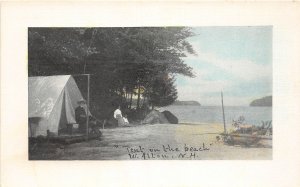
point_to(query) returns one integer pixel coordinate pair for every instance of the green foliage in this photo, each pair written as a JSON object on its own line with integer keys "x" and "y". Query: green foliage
{"x": 119, "y": 60}
{"x": 162, "y": 91}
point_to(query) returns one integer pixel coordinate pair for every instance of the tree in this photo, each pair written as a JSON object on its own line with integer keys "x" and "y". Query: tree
{"x": 163, "y": 92}
{"x": 119, "y": 59}
{"x": 57, "y": 50}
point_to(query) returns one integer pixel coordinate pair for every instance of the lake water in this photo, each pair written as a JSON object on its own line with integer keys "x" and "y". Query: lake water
{"x": 213, "y": 114}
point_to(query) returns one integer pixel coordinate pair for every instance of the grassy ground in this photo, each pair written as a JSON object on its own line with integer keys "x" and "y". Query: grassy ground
{"x": 159, "y": 141}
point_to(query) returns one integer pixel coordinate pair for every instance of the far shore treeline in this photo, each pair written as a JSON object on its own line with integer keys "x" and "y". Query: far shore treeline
{"x": 124, "y": 63}
{"x": 193, "y": 103}
{"x": 264, "y": 101}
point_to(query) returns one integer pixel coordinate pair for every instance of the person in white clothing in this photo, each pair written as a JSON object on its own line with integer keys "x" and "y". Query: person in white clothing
{"x": 118, "y": 113}
{"x": 118, "y": 116}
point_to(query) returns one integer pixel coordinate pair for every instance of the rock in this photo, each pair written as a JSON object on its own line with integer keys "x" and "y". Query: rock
{"x": 155, "y": 117}
{"x": 111, "y": 123}
{"x": 170, "y": 117}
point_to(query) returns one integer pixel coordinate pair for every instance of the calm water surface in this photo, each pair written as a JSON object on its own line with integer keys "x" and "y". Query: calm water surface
{"x": 213, "y": 114}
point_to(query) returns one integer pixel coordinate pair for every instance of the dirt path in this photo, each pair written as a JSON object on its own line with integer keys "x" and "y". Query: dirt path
{"x": 161, "y": 141}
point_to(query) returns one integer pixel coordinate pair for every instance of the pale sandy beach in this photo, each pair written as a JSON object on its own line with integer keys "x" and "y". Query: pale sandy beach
{"x": 160, "y": 141}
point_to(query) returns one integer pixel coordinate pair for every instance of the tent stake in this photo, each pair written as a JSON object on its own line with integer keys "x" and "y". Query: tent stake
{"x": 223, "y": 113}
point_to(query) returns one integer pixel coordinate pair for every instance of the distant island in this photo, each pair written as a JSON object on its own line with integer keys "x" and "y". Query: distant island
{"x": 195, "y": 103}
{"x": 265, "y": 101}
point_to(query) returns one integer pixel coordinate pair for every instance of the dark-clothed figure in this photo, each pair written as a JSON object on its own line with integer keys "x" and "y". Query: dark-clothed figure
{"x": 80, "y": 116}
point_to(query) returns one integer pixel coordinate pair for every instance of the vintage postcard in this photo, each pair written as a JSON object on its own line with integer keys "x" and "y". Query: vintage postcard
{"x": 150, "y": 94}
{"x": 166, "y": 93}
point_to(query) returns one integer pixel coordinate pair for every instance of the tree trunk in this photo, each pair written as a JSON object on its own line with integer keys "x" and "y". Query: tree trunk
{"x": 143, "y": 101}
{"x": 131, "y": 99}
{"x": 139, "y": 97}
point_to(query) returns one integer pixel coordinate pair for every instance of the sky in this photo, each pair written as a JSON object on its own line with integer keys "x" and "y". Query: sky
{"x": 235, "y": 60}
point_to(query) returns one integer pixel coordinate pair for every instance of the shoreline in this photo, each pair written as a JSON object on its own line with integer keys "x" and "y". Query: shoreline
{"x": 116, "y": 142}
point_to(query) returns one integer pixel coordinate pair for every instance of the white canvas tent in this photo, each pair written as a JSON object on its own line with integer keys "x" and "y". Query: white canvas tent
{"x": 51, "y": 103}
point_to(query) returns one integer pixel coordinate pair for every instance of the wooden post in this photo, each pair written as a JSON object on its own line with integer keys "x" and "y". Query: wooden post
{"x": 103, "y": 124}
{"x": 88, "y": 106}
{"x": 223, "y": 113}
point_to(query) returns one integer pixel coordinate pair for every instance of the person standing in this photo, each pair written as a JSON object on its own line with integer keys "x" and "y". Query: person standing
{"x": 80, "y": 116}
